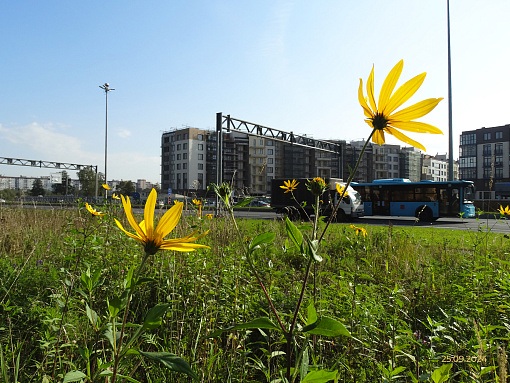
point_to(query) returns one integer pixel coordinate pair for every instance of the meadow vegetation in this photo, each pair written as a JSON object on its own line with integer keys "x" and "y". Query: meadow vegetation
{"x": 418, "y": 304}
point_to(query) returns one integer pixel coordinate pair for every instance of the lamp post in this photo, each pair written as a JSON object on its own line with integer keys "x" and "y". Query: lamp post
{"x": 106, "y": 88}
{"x": 450, "y": 124}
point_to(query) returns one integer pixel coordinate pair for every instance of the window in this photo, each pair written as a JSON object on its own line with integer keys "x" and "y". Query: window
{"x": 486, "y": 136}
{"x": 270, "y": 152}
{"x": 178, "y": 157}
{"x": 184, "y": 156}
{"x": 178, "y": 166}
{"x": 200, "y": 156}
{"x": 178, "y": 146}
{"x": 185, "y": 146}
{"x": 200, "y": 166}
{"x": 184, "y": 166}
{"x": 499, "y": 135}
{"x": 468, "y": 139}
{"x": 487, "y": 150}
{"x": 269, "y": 160}
{"x": 200, "y": 137}
{"x": 200, "y": 146}
{"x": 166, "y": 139}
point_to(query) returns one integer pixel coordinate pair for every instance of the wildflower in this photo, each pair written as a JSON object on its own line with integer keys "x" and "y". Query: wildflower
{"x": 106, "y": 187}
{"x": 504, "y": 211}
{"x": 198, "y": 204}
{"x": 209, "y": 216}
{"x": 289, "y": 186}
{"x": 115, "y": 196}
{"x": 341, "y": 190}
{"x": 359, "y": 230}
{"x": 152, "y": 237}
{"x": 93, "y": 211}
{"x": 317, "y": 186}
{"x": 382, "y": 116}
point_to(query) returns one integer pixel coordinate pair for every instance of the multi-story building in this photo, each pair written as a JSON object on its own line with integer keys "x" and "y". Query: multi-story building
{"x": 183, "y": 157}
{"x": 249, "y": 162}
{"x": 410, "y": 164}
{"x": 484, "y": 159}
{"x": 434, "y": 168}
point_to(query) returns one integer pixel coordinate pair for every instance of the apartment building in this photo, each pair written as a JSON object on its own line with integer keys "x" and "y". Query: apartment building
{"x": 190, "y": 162}
{"x": 183, "y": 158}
{"x": 484, "y": 156}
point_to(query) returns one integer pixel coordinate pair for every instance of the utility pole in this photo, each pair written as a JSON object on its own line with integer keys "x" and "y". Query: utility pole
{"x": 106, "y": 88}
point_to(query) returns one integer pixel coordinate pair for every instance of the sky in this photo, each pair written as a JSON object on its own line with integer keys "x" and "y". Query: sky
{"x": 289, "y": 65}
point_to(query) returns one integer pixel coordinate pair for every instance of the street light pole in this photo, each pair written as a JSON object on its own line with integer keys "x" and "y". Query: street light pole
{"x": 450, "y": 123}
{"x": 106, "y": 88}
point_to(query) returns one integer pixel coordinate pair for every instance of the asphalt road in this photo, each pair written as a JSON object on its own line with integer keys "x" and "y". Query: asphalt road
{"x": 470, "y": 224}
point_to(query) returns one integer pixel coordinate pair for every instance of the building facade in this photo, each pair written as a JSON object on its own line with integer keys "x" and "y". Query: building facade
{"x": 484, "y": 156}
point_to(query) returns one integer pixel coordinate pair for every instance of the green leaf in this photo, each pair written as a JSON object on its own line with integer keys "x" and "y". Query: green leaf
{"x": 92, "y": 315}
{"x": 320, "y": 376}
{"x": 326, "y": 326}
{"x": 114, "y": 306}
{"x": 172, "y": 362}
{"x": 442, "y": 374}
{"x": 312, "y": 314}
{"x": 294, "y": 233}
{"x": 154, "y": 317}
{"x": 313, "y": 247}
{"x": 261, "y": 239}
{"x": 262, "y": 322}
{"x": 74, "y": 376}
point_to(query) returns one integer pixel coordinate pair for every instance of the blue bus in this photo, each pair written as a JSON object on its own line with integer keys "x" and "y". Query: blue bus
{"x": 425, "y": 200}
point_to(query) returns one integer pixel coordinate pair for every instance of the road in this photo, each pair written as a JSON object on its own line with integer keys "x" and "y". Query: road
{"x": 470, "y": 224}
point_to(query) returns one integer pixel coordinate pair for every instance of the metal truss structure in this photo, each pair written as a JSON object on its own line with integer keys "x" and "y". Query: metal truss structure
{"x": 228, "y": 124}
{"x": 44, "y": 164}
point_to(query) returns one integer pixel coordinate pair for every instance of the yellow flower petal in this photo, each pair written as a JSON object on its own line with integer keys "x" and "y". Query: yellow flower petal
{"x": 402, "y": 137}
{"x": 404, "y": 93}
{"x": 389, "y": 84}
{"x": 148, "y": 213}
{"x": 417, "y": 110}
{"x": 416, "y": 126}
{"x": 370, "y": 90}
{"x": 378, "y": 137}
{"x": 363, "y": 101}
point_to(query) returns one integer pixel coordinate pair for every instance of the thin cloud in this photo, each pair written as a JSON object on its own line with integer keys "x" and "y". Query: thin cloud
{"x": 123, "y": 133}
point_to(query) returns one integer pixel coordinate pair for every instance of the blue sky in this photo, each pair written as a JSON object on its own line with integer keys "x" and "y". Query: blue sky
{"x": 290, "y": 65}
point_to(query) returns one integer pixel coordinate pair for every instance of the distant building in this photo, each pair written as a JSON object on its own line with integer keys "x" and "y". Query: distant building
{"x": 484, "y": 158}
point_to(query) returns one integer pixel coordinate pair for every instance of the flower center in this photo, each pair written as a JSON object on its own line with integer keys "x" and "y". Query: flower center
{"x": 151, "y": 247}
{"x": 379, "y": 121}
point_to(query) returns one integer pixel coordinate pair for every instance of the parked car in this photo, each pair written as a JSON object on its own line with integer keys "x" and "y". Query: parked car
{"x": 258, "y": 203}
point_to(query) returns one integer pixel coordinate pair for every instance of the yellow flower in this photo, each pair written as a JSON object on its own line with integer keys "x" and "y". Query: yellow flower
{"x": 93, "y": 211}
{"x": 196, "y": 202}
{"x": 382, "y": 116}
{"x": 152, "y": 237}
{"x": 341, "y": 190}
{"x": 359, "y": 230}
{"x": 317, "y": 186}
{"x": 504, "y": 211}
{"x": 115, "y": 196}
{"x": 289, "y": 185}
{"x": 106, "y": 187}
{"x": 209, "y": 216}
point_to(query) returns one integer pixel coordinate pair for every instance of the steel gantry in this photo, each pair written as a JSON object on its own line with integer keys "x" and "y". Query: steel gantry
{"x": 228, "y": 124}
{"x": 46, "y": 164}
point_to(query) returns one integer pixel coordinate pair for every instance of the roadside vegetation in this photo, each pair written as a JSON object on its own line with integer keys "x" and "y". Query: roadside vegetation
{"x": 412, "y": 301}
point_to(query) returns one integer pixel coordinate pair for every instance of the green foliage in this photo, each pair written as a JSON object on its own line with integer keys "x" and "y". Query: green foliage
{"x": 402, "y": 303}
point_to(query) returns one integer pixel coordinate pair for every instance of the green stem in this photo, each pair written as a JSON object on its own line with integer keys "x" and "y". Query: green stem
{"x": 349, "y": 180}
{"x": 118, "y": 347}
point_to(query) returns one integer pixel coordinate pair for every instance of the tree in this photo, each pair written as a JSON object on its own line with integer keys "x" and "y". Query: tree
{"x": 87, "y": 177}
{"x": 125, "y": 188}
{"x": 37, "y": 188}
{"x": 65, "y": 187}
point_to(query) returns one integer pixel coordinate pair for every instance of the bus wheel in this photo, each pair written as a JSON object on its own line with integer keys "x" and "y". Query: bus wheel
{"x": 424, "y": 213}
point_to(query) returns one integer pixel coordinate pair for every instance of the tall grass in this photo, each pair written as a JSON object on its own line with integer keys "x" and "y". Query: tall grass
{"x": 414, "y": 299}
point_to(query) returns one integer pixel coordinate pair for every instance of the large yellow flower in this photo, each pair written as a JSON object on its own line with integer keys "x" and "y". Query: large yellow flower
{"x": 289, "y": 185}
{"x": 382, "y": 117}
{"x": 153, "y": 238}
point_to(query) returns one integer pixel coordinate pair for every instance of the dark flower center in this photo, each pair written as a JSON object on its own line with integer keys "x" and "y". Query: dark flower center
{"x": 151, "y": 248}
{"x": 379, "y": 121}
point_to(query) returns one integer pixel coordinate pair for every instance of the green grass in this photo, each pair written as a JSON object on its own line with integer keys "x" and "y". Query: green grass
{"x": 411, "y": 297}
